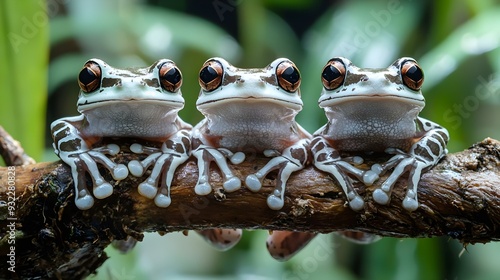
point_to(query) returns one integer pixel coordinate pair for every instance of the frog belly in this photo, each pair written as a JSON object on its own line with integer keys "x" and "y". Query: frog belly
{"x": 132, "y": 119}
{"x": 372, "y": 126}
{"x": 254, "y": 127}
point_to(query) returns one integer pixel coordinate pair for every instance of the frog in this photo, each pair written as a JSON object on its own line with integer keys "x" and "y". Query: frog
{"x": 376, "y": 110}
{"x": 136, "y": 103}
{"x": 248, "y": 111}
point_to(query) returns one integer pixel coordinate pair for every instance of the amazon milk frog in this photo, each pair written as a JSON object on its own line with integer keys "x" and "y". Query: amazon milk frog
{"x": 376, "y": 110}
{"x": 140, "y": 103}
{"x": 250, "y": 111}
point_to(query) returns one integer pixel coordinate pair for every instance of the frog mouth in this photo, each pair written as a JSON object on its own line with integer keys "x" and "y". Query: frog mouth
{"x": 109, "y": 102}
{"x": 250, "y": 99}
{"x": 339, "y": 99}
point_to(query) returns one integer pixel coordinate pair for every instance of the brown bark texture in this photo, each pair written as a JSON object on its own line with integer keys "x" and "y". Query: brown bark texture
{"x": 459, "y": 198}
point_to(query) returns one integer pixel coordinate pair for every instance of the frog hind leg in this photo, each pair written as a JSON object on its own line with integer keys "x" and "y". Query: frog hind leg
{"x": 221, "y": 239}
{"x": 292, "y": 159}
{"x": 327, "y": 159}
{"x": 282, "y": 245}
{"x": 424, "y": 154}
{"x": 205, "y": 155}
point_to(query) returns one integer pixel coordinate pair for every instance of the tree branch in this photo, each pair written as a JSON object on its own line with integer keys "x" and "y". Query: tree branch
{"x": 459, "y": 198}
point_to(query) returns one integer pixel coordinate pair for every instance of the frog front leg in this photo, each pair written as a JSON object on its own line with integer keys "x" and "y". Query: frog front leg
{"x": 74, "y": 151}
{"x": 205, "y": 154}
{"x": 424, "y": 154}
{"x": 328, "y": 159}
{"x": 173, "y": 153}
{"x": 292, "y": 159}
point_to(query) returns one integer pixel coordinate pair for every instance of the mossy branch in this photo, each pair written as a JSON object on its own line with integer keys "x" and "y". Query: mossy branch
{"x": 459, "y": 198}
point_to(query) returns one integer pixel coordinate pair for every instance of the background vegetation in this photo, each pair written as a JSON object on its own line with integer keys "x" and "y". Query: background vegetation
{"x": 456, "y": 43}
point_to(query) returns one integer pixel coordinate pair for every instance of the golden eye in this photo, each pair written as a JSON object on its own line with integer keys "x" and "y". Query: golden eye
{"x": 89, "y": 78}
{"x": 210, "y": 77}
{"x": 288, "y": 76}
{"x": 333, "y": 74}
{"x": 170, "y": 76}
{"x": 412, "y": 75}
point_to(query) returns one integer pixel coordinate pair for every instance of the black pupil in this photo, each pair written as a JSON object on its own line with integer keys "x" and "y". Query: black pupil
{"x": 173, "y": 76}
{"x": 415, "y": 73}
{"x": 291, "y": 75}
{"x": 86, "y": 76}
{"x": 331, "y": 73}
{"x": 208, "y": 74}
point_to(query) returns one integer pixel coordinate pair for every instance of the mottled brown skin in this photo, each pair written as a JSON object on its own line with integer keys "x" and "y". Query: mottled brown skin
{"x": 460, "y": 198}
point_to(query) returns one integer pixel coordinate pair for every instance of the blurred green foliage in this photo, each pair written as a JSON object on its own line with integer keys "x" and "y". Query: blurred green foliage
{"x": 23, "y": 70}
{"x": 456, "y": 43}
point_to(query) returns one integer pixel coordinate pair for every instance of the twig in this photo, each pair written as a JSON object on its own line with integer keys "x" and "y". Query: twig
{"x": 11, "y": 150}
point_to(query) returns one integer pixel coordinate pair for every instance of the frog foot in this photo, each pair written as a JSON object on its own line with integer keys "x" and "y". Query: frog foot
{"x": 87, "y": 161}
{"x": 221, "y": 239}
{"x": 402, "y": 164}
{"x": 205, "y": 156}
{"x": 165, "y": 163}
{"x": 292, "y": 159}
{"x": 328, "y": 159}
{"x": 339, "y": 170}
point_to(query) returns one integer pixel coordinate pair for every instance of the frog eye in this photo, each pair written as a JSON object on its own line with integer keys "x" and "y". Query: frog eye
{"x": 170, "y": 77}
{"x": 210, "y": 77}
{"x": 89, "y": 78}
{"x": 333, "y": 74}
{"x": 412, "y": 74}
{"x": 288, "y": 76}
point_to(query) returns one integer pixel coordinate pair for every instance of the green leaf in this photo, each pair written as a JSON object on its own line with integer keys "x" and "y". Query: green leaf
{"x": 24, "y": 56}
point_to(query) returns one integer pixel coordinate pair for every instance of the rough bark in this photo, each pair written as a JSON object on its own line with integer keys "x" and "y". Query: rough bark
{"x": 459, "y": 198}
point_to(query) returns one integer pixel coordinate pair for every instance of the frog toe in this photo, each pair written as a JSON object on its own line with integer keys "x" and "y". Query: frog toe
{"x": 135, "y": 168}
{"x": 381, "y": 197}
{"x": 162, "y": 200}
{"x": 104, "y": 190}
{"x": 202, "y": 188}
{"x": 237, "y": 158}
{"x": 377, "y": 169}
{"x": 147, "y": 190}
{"x": 410, "y": 204}
{"x": 253, "y": 183}
{"x": 232, "y": 184}
{"x": 369, "y": 177}
{"x": 356, "y": 202}
{"x": 85, "y": 202}
{"x": 275, "y": 202}
{"x": 113, "y": 149}
{"x": 120, "y": 172}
